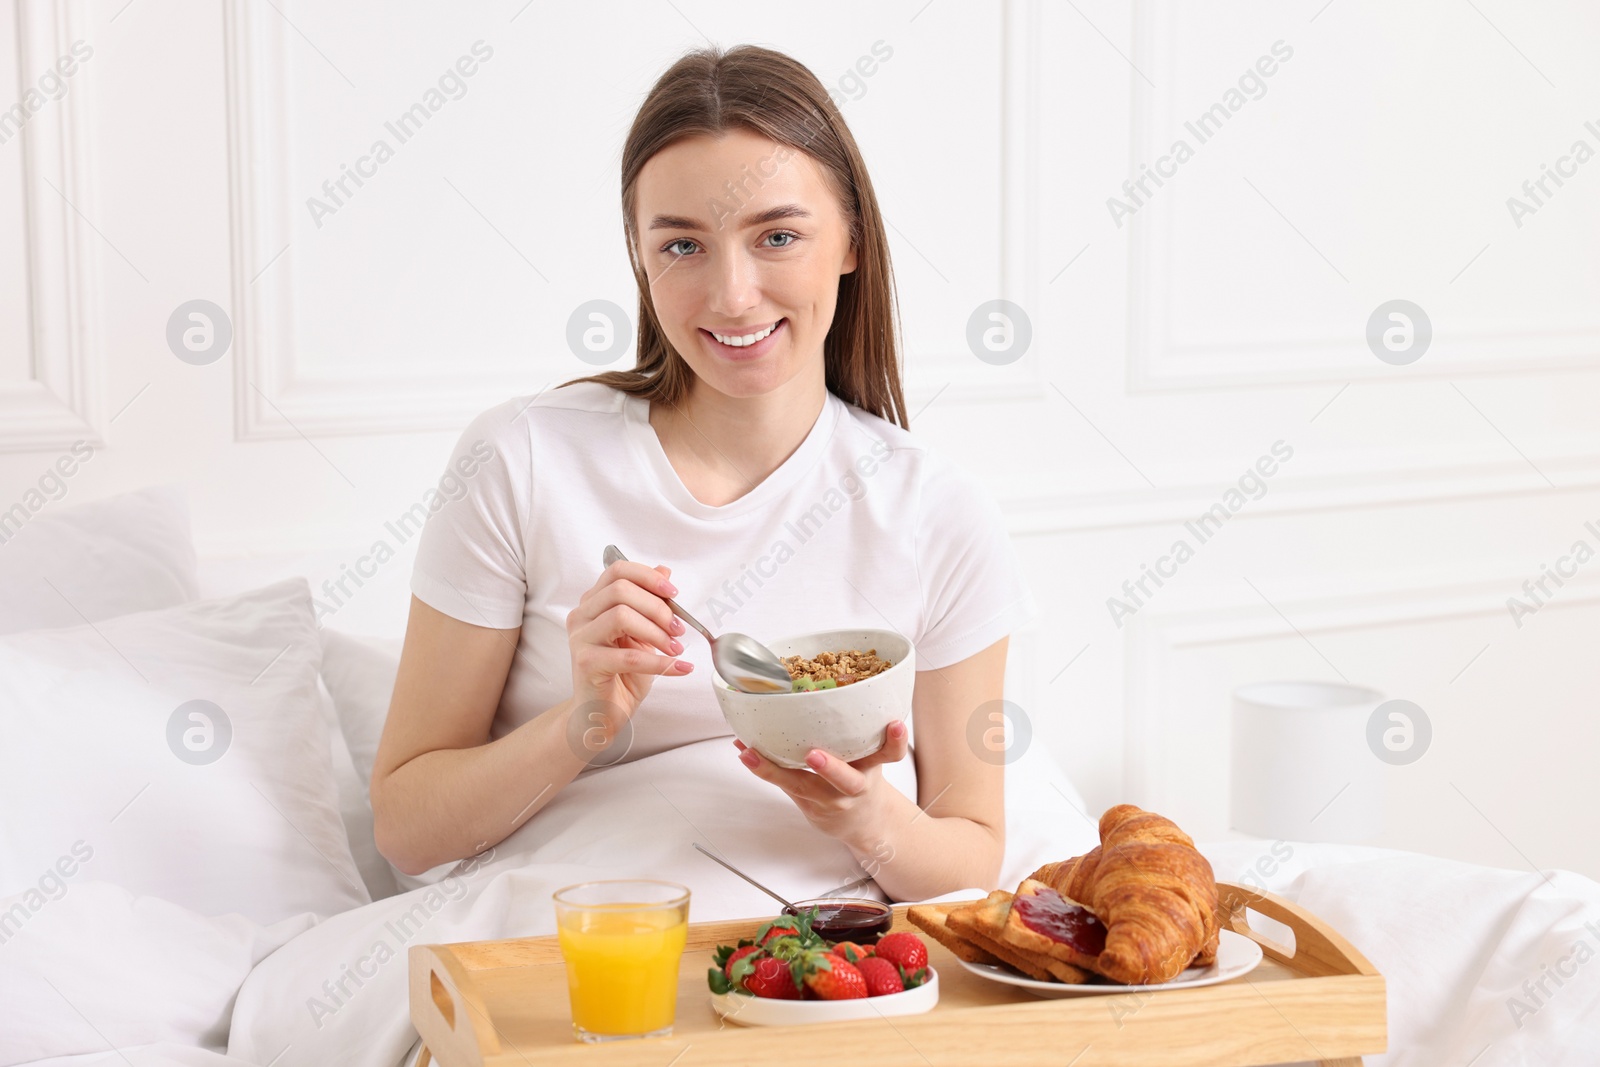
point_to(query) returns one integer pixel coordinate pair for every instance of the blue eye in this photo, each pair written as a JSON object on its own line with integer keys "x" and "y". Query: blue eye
{"x": 793, "y": 237}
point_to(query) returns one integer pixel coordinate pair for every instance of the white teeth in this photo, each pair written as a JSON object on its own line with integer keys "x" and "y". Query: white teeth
{"x": 747, "y": 339}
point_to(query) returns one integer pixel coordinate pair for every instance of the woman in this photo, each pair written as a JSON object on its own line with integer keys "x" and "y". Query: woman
{"x": 764, "y": 465}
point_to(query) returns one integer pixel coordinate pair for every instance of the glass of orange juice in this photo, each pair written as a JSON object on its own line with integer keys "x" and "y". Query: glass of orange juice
{"x": 622, "y": 940}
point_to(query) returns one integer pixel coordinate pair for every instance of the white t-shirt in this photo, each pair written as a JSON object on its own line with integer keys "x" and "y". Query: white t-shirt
{"x": 863, "y": 525}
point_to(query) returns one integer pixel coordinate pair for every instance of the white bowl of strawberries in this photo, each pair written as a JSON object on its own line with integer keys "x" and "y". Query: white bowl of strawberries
{"x": 788, "y": 974}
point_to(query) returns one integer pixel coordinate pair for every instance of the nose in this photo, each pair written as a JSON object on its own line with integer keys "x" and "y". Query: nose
{"x": 735, "y": 286}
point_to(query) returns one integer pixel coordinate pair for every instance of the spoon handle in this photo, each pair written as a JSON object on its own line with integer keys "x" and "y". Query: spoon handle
{"x": 751, "y": 880}
{"x": 691, "y": 620}
{"x": 612, "y": 554}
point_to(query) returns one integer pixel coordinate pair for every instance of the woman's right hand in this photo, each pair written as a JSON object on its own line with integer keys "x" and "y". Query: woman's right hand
{"x": 613, "y": 634}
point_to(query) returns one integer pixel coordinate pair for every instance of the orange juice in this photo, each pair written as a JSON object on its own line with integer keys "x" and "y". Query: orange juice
{"x": 622, "y": 967}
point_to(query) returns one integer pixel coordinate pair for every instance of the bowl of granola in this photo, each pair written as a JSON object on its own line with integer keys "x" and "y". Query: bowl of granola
{"x": 848, "y": 686}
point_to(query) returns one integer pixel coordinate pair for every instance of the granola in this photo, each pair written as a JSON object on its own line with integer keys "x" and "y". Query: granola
{"x": 829, "y": 669}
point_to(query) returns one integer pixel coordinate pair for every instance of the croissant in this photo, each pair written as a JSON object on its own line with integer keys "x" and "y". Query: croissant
{"x": 1151, "y": 888}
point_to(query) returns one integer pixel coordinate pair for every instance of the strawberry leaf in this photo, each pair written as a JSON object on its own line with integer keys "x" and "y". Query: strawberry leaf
{"x": 718, "y": 981}
{"x": 785, "y": 947}
{"x": 766, "y": 927}
{"x": 742, "y": 967}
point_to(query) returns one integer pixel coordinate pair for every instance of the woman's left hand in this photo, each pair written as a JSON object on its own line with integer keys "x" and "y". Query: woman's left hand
{"x": 841, "y": 799}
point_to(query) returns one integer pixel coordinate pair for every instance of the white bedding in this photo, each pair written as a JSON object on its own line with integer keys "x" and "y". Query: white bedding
{"x": 1456, "y": 942}
{"x": 1453, "y": 940}
{"x": 1460, "y": 945}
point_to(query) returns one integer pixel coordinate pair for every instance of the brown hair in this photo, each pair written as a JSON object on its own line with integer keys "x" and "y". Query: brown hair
{"x": 708, "y": 92}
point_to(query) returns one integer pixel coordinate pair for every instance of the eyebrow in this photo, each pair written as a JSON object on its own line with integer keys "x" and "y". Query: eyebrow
{"x": 760, "y": 218}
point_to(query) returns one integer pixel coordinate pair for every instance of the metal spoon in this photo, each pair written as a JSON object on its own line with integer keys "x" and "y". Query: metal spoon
{"x": 752, "y": 881}
{"x": 746, "y": 663}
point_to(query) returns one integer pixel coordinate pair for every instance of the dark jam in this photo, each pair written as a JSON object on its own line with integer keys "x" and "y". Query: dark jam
{"x": 850, "y": 922}
{"x": 1048, "y": 912}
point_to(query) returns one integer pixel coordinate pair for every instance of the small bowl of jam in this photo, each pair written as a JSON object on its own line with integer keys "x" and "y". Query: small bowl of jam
{"x": 857, "y": 919}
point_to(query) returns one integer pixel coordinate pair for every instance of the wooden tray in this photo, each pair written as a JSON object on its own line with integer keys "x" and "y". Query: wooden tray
{"x": 504, "y": 1003}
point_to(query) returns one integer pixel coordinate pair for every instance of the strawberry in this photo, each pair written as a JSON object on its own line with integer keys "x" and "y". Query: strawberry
{"x": 834, "y": 978}
{"x": 851, "y": 951}
{"x": 737, "y": 955}
{"x": 783, "y": 926}
{"x": 903, "y": 948}
{"x": 771, "y": 978}
{"x": 881, "y": 976}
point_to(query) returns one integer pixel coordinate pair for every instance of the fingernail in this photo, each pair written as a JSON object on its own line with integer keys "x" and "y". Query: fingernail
{"x": 678, "y": 625}
{"x": 684, "y": 665}
{"x": 817, "y": 760}
{"x": 749, "y": 758}
{"x": 668, "y": 589}
{"x": 676, "y": 646}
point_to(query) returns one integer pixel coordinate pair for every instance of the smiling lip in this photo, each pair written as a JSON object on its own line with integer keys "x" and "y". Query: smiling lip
{"x": 741, "y": 353}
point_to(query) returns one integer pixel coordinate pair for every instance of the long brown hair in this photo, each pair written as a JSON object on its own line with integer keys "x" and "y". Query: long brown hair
{"x": 710, "y": 91}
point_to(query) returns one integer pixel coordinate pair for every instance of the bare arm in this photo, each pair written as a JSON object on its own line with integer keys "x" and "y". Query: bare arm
{"x": 954, "y": 836}
{"x": 441, "y": 790}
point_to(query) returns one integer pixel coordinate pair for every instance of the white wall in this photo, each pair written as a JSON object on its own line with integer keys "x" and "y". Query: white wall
{"x": 1226, "y": 312}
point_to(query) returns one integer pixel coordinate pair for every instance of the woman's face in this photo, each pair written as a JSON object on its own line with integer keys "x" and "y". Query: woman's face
{"x": 739, "y": 232}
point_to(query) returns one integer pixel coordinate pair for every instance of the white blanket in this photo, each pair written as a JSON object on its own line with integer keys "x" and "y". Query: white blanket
{"x": 1463, "y": 949}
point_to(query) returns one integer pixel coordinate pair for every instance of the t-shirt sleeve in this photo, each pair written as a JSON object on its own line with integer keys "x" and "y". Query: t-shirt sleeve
{"x": 974, "y": 589}
{"x": 470, "y": 561}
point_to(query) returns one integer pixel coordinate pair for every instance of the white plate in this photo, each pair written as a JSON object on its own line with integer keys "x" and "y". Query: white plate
{"x": 747, "y": 1010}
{"x": 1236, "y": 955}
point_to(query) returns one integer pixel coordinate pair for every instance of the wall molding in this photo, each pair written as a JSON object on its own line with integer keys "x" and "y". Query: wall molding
{"x": 957, "y": 376}
{"x": 1159, "y": 364}
{"x": 1356, "y": 490}
{"x": 63, "y": 403}
{"x": 275, "y": 396}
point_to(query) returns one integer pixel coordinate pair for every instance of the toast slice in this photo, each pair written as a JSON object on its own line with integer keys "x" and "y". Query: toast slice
{"x": 984, "y": 924}
{"x": 932, "y": 919}
{"x": 1062, "y": 929}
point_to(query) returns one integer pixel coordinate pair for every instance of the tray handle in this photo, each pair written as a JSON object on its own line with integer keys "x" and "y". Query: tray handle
{"x": 1318, "y": 948}
{"x": 447, "y": 1009}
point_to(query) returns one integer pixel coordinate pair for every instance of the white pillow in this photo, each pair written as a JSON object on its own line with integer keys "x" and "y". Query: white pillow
{"x": 140, "y": 969}
{"x": 104, "y": 742}
{"x": 355, "y": 809}
{"x": 360, "y": 674}
{"x": 105, "y": 558}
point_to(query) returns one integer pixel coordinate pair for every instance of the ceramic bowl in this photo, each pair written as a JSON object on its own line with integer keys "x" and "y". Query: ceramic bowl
{"x": 847, "y": 722}
{"x": 747, "y": 1010}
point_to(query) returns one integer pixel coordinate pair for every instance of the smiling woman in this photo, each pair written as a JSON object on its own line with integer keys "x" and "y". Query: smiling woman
{"x": 766, "y": 385}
